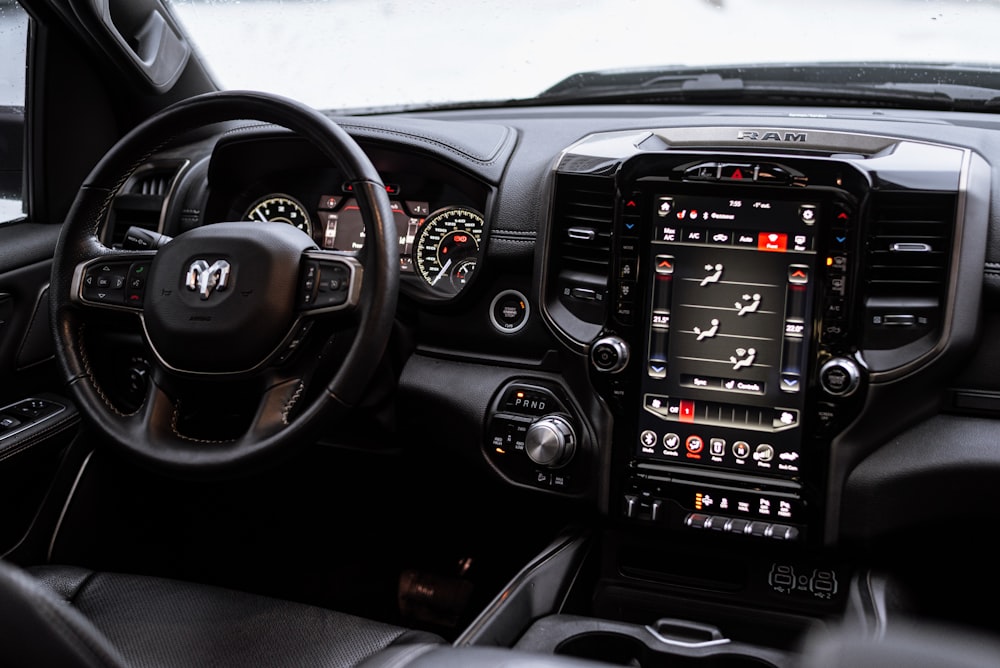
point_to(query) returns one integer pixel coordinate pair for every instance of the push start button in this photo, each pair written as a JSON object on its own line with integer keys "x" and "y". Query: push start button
{"x": 509, "y": 311}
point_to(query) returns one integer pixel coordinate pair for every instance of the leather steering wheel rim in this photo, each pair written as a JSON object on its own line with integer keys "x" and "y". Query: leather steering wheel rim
{"x": 149, "y": 433}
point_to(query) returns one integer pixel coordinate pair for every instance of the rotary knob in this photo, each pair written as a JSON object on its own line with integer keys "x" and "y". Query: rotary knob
{"x": 609, "y": 354}
{"x": 550, "y": 441}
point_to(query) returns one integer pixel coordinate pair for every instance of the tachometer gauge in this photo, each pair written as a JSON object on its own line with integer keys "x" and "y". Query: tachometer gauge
{"x": 446, "y": 248}
{"x": 280, "y": 209}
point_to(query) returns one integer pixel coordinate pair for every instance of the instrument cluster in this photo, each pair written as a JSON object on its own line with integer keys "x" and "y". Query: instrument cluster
{"x": 438, "y": 210}
{"x": 440, "y": 248}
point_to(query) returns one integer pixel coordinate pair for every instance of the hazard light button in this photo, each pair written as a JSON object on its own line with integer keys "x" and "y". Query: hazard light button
{"x": 736, "y": 172}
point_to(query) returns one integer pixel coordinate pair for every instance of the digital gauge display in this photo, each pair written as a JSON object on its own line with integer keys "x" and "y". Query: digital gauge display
{"x": 344, "y": 229}
{"x": 447, "y": 247}
{"x": 280, "y": 208}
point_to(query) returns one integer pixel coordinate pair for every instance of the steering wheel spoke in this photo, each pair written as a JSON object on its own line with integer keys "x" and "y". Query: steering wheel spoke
{"x": 329, "y": 282}
{"x": 115, "y": 281}
{"x": 274, "y": 410}
{"x": 159, "y": 425}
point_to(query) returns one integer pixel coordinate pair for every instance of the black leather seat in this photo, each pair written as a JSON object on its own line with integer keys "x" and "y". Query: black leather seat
{"x": 906, "y": 642}
{"x": 67, "y": 616}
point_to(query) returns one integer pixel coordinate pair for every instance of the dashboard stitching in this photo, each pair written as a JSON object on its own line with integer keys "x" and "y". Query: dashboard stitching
{"x": 428, "y": 140}
{"x": 485, "y": 161}
{"x": 250, "y": 127}
{"x": 523, "y": 233}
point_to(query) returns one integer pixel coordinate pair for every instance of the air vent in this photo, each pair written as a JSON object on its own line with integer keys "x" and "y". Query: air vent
{"x": 909, "y": 243}
{"x": 909, "y": 246}
{"x": 155, "y": 184}
{"x": 141, "y": 200}
{"x": 581, "y": 244}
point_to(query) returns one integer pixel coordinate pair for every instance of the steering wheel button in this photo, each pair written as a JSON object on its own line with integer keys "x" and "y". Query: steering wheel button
{"x": 332, "y": 277}
{"x": 330, "y": 299}
{"x": 137, "y": 276}
{"x": 103, "y": 295}
{"x": 310, "y": 272}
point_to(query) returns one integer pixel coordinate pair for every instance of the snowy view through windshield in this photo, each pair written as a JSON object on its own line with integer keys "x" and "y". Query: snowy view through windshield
{"x": 365, "y": 53}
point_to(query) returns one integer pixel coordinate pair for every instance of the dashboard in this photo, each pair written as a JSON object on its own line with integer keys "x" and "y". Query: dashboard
{"x": 698, "y": 327}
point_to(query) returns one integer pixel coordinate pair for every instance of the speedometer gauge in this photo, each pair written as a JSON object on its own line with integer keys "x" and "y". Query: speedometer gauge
{"x": 280, "y": 208}
{"x": 446, "y": 248}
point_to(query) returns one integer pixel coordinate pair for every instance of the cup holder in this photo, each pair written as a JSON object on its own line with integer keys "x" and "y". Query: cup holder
{"x": 667, "y": 643}
{"x": 605, "y": 647}
{"x": 623, "y": 650}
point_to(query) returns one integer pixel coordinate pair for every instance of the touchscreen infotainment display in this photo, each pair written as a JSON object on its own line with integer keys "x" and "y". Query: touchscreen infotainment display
{"x": 727, "y": 332}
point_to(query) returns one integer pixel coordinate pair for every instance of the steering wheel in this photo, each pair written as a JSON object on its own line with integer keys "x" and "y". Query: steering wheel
{"x": 224, "y": 303}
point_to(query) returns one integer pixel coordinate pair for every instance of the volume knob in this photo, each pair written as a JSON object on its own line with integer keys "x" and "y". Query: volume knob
{"x": 609, "y": 354}
{"x": 550, "y": 441}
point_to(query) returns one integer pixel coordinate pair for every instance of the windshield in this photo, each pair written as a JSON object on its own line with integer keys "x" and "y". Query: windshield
{"x": 336, "y": 54}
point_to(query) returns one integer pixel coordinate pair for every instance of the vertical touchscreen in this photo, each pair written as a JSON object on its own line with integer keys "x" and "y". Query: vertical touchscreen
{"x": 727, "y": 332}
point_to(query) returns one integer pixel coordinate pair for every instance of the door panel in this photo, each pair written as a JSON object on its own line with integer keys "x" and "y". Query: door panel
{"x": 25, "y": 340}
